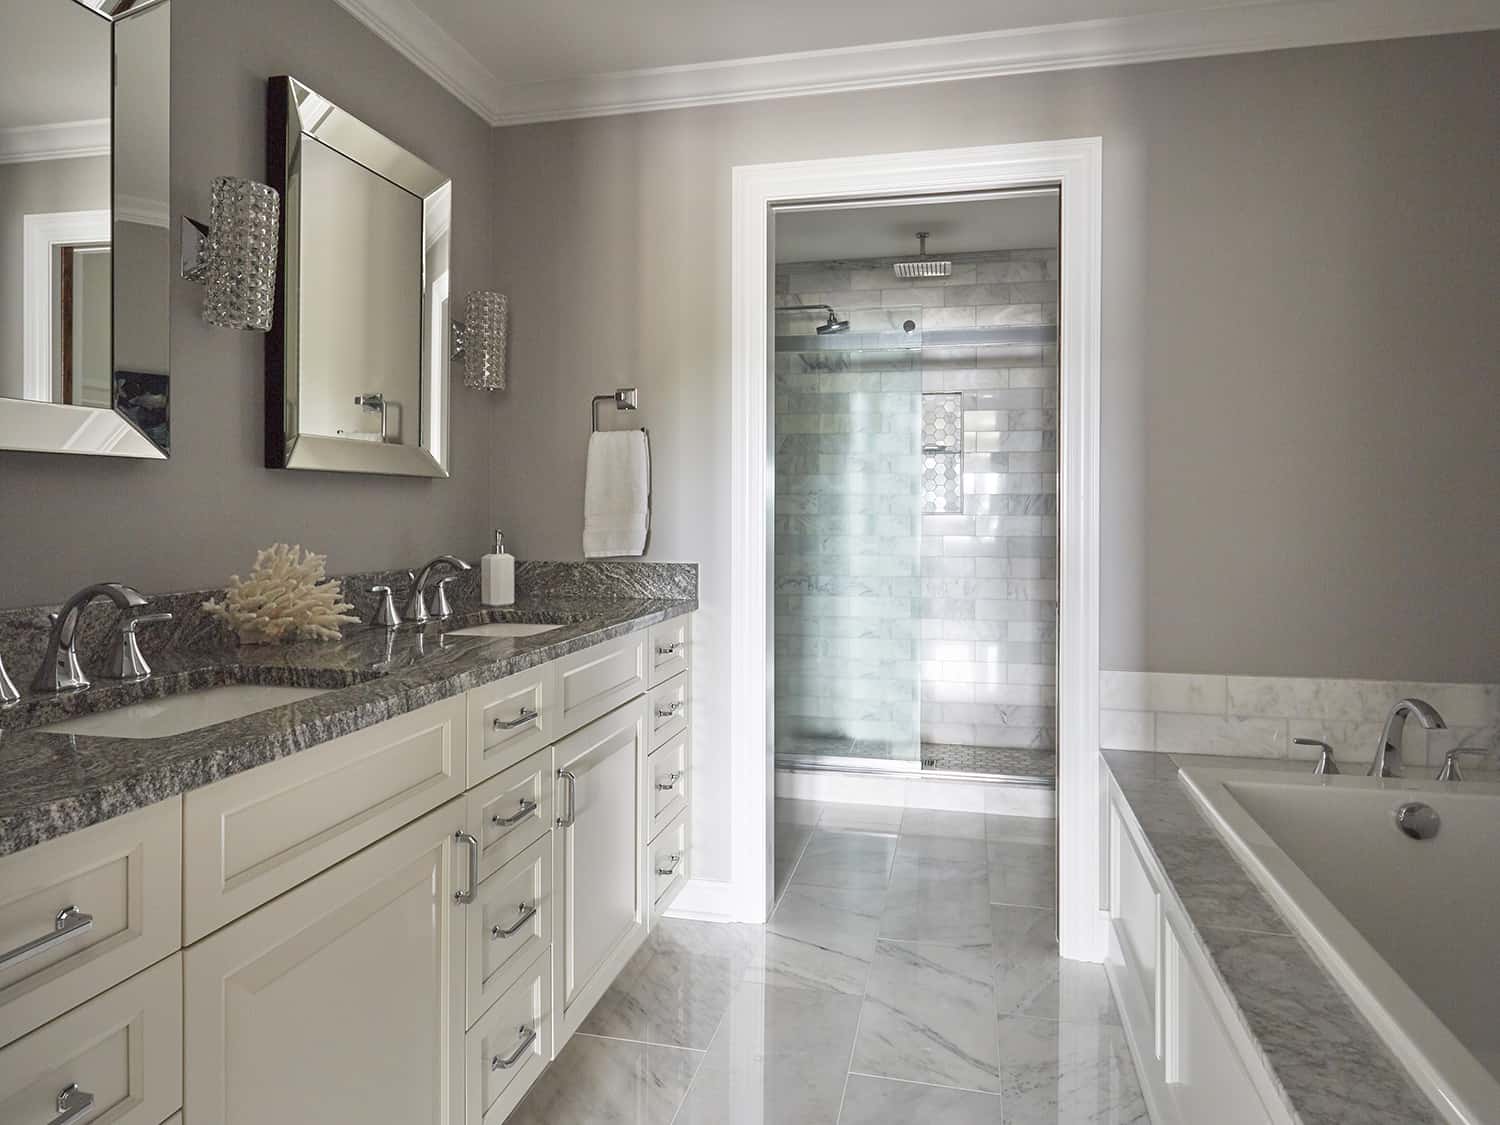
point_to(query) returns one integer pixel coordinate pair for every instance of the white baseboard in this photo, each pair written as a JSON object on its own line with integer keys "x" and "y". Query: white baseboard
{"x": 706, "y": 900}
{"x": 941, "y": 794}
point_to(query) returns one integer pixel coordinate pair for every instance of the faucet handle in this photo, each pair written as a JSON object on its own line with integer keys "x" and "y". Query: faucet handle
{"x": 386, "y": 615}
{"x": 442, "y": 609}
{"x": 1450, "y": 771}
{"x": 1326, "y": 764}
{"x": 125, "y": 661}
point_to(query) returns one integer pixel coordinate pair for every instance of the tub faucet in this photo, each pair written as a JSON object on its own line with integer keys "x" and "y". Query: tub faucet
{"x": 60, "y": 670}
{"x": 1387, "y": 761}
{"x": 416, "y": 601}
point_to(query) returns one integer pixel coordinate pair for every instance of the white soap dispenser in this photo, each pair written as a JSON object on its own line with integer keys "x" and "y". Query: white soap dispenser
{"x": 497, "y": 575}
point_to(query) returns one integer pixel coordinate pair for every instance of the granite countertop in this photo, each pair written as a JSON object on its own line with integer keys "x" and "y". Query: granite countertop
{"x": 53, "y": 783}
{"x": 1331, "y": 1066}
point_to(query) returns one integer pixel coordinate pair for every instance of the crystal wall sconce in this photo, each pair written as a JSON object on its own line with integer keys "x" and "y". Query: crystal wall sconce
{"x": 479, "y": 340}
{"x": 234, "y": 255}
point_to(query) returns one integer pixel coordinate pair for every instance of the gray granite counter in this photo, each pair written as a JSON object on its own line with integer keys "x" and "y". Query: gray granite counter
{"x": 55, "y": 783}
{"x": 1330, "y": 1065}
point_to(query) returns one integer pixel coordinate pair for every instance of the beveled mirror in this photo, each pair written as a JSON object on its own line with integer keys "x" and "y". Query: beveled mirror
{"x": 356, "y": 367}
{"x": 85, "y": 245}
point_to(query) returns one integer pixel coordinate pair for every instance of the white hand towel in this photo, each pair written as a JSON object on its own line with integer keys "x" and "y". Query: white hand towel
{"x": 617, "y": 495}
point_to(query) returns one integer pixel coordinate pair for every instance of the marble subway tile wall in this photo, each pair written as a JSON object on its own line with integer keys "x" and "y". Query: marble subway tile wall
{"x": 982, "y": 623}
{"x": 1260, "y": 716}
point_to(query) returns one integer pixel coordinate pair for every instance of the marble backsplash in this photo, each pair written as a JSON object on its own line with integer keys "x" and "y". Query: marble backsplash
{"x": 24, "y": 631}
{"x": 1259, "y": 716}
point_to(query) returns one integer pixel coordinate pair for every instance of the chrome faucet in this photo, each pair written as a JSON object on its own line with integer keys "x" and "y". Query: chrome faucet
{"x": 60, "y": 670}
{"x": 416, "y": 601}
{"x": 1387, "y": 761}
{"x": 9, "y": 696}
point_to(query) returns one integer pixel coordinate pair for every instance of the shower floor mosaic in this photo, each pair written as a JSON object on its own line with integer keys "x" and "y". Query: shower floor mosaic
{"x": 937, "y": 757}
{"x": 994, "y": 760}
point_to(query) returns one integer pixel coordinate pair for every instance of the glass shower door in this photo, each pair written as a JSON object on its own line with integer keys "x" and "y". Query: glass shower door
{"x": 847, "y": 527}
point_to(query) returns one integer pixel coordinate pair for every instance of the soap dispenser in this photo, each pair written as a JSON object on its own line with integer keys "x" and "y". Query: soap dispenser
{"x": 497, "y": 575}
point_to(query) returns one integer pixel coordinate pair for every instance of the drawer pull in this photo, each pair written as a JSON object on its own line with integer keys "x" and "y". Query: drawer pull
{"x": 473, "y": 845}
{"x": 527, "y": 715}
{"x": 671, "y": 649}
{"x": 669, "y": 865}
{"x": 669, "y": 781}
{"x": 527, "y": 914}
{"x": 528, "y": 1037}
{"x": 72, "y": 1104}
{"x": 526, "y": 809}
{"x": 572, "y": 780}
{"x": 669, "y": 710}
{"x": 69, "y": 923}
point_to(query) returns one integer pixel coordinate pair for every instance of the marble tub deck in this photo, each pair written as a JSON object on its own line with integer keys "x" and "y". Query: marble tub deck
{"x": 1329, "y": 1064}
{"x": 52, "y": 784}
{"x": 908, "y": 974}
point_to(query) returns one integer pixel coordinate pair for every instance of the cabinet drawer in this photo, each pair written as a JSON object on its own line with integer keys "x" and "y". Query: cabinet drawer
{"x": 670, "y": 647}
{"x": 668, "y": 711}
{"x": 594, "y": 681}
{"x": 259, "y": 833}
{"x": 123, "y": 881}
{"x": 512, "y": 718}
{"x": 667, "y": 783}
{"x": 509, "y": 925}
{"x": 509, "y": 1047}
{"x": 668, "y": 857}
{"x": 123, "y": 1049}
{"x": 511, "y": 811}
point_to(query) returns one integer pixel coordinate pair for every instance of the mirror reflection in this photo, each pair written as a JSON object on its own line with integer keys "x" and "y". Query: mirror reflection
{"x": 84, "y": 233}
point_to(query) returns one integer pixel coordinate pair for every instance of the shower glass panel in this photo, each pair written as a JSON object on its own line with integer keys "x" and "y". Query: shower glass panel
{"x": 848, "y": 440}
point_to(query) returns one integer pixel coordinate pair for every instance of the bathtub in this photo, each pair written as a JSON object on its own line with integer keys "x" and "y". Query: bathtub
{"x": 1410, "y": 928}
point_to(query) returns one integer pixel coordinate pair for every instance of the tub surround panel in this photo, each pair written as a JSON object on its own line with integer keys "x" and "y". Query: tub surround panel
{"x": 1328, "y": 1063}
{"x": 1259, "y": 716}
{"x": 51, "y": 783}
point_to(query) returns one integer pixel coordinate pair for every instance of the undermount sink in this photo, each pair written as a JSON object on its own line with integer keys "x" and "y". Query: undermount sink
{"x": 178, "y": 714}
{"x": 503, "y": 629}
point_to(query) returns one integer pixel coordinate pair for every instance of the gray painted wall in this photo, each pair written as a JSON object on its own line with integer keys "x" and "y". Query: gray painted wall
{"x": 193, "y": 520}
{"x": 1301, "y": 463}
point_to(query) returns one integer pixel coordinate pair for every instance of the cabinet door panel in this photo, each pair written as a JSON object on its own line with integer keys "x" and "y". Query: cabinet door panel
{"x": 594, "y": 681}
{"x": 343, "y": 999}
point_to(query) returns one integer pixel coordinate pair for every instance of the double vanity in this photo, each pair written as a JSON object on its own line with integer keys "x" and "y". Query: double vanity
{"x": 378, "y": 879}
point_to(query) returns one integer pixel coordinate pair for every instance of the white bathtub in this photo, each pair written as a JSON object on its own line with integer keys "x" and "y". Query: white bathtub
{"x": 1410, "y": 928}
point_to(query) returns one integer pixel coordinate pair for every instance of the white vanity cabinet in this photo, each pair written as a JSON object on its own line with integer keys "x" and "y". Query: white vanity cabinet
{"x": 401, "y": 926}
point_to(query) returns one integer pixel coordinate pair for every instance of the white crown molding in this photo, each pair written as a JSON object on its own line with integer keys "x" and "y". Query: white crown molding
{"x": 140, "y": 209}
{"x": 1259, "y": 26}
{"x": 68, "y": 140}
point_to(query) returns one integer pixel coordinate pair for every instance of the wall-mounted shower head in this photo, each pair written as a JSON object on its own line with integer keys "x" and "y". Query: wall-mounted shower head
{"x": 833, "y": 324}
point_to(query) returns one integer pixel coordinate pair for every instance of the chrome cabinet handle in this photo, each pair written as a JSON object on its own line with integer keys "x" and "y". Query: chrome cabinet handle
{"x": 527, "y": 914}
{"x": 69, "y": 923}
{"x": 72, "y": 1104}
{"x": 669, "y": 781}
{"x": 572, "y": 817}
{"x": 669, "y": 867}
{"x": 669, "y": 710}
{"x": 528, "y": 1037}
{"x": 526, "y": 809}
{"x": 527, "y": 715}
{"x": 670, "y": 650}
{"x": 473, "y": 846}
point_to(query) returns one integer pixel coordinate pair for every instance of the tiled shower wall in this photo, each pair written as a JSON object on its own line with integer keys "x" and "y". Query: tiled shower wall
{"x": 981, "y": 620}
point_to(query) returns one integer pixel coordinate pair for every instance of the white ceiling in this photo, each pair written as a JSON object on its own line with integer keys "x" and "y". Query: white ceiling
{"x": 1022, "y": 222}
{"x": 54, "y": 63}
{"x": 516, "y": 61}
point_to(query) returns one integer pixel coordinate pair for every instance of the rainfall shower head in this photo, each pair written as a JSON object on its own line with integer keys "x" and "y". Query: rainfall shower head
{"x": 832, "y": 325}
{"x": 922, "y": 265}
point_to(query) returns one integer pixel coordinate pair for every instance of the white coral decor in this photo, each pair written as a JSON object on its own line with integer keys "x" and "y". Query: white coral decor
{"x": 287, "y": 597}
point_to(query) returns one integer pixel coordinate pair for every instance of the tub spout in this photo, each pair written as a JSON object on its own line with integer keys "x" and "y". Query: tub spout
{"x": 1387, "y": 761}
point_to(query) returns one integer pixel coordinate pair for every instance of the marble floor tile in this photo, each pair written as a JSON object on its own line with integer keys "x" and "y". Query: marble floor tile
{"x": 802, "y": 813}
{"x": 1023, "y": 874}
{"x": 609, "y": 1082}
{"x": 1067, "y": 1074}
{"x": 948, "y": 825}
{"x": 943, "y": 849}
{"x": 945, "y": 902}
{"x": 765, "y": 1021}
{"x": 821, "y": 938}
{"x": 928, "y": 1016}
{"x": 884, "y": 1101}
{"x": 852, "y": 860}
{"x": 781, "y": 1090}
{"x": 1032, "y": 980}
{"x": 791, "y": 840}
{"x": 1020, "y": 830}
{"x": 668, "y": 996}
{"x": 862, "y": 818}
